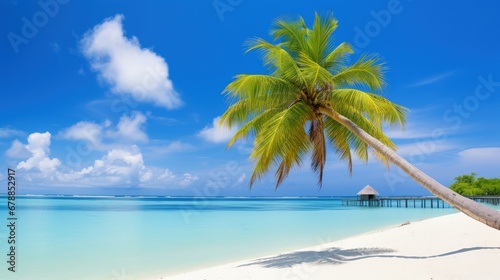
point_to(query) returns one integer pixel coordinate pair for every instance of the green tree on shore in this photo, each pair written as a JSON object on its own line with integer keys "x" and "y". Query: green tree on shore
{"x": 313, "y": 98}
{"x": 469, "y": 185}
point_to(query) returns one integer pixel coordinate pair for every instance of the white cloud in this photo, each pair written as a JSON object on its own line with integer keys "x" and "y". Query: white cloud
{"x": 107, "y": 123}
{"x": 484, "y": 161}
{"x": 118, "y": 167}
{"x": 87, "y": 131}
{"x": 162, "y": 119}
{"x": 126, "y": 66}
{"x": 38, "y": 146}
{"x": 421, "y": 123}
{"x": 432, "y": 80}
{"x": 398, "y": 133}
{"x": 217, "y": 133}
{"x": 187, "y": 179}
{"x": 481, "y": 156}
{"x": 6, "y": 132}
{"x": 167, "y": 175}
{"x": 130, "y": 128}
{"x": 424, "y": 148}
{"x": 18, "y": 150}
{"x": 166, "y": 178}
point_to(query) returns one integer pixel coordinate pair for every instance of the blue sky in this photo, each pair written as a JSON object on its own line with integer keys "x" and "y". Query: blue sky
{"x": 122, "y": 97}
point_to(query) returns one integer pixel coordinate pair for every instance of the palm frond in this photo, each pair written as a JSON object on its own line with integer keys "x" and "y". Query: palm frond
{"x": 361, "y": 149}
{"x": 317, "y": 139}
{"x": 268, "y": 89}
{"x": 254, "y": 125}
{"x": 281, "y": 139}
{"x": 319, "y": 37}
{"x": 279, "y": 60}
{"x": 367, "y": 71}
{"x": 359, "y": 99}
{"x": 390, "y": 112}
{"x": 364, "y": 123}
{"x": 339, "y": 137}
{"x": 237, "y": 113}
{"x": 292, "y": 34}
{"x": 314, "y": 73}
{"x": 336, "y": 58}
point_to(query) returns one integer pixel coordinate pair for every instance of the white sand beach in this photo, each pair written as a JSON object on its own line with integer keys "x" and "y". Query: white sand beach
{"x": 449, "y": 247}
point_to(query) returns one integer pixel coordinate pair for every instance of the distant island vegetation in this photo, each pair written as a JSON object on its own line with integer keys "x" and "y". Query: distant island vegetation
{"x": 469, "y": 185}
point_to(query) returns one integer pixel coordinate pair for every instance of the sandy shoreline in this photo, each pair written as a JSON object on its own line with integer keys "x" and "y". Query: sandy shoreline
{"x": 447, "y": 247}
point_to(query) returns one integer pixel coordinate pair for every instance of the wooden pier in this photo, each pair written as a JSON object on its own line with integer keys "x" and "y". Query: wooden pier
{"x": 414, "y": 201}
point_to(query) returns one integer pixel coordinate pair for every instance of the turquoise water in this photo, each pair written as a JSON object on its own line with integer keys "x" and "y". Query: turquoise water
{"x": 121, "y": 238}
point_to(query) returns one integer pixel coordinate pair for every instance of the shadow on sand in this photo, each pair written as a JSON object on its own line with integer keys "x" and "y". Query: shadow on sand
{"x": 336, "y": 255}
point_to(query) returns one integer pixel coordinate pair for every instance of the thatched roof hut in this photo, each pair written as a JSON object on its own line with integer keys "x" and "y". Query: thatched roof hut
{"x": 367, "y": 193}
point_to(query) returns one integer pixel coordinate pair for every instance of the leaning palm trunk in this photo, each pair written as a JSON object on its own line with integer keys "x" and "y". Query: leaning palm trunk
{"x": 471, "y": 208}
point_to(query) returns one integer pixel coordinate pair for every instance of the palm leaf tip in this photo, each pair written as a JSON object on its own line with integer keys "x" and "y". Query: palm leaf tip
{"x": 318, "y": 156}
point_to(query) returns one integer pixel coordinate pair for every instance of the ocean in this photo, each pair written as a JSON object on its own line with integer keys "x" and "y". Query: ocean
{"x": 132, "y": 238}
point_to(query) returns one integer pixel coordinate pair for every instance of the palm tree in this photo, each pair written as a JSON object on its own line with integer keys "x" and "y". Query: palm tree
{"x": 314, "y": 98}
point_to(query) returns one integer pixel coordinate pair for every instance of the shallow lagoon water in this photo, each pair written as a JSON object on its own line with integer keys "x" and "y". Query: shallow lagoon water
{"x": 118, "y": 238}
